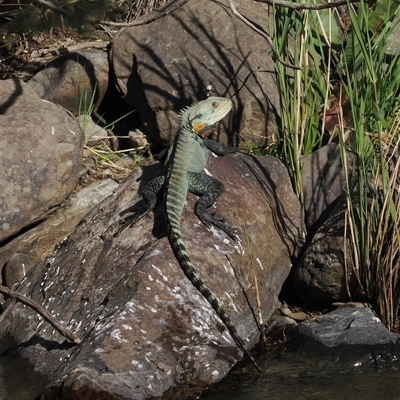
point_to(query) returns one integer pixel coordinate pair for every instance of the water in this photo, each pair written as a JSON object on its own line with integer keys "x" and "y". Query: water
{"x": 286, "y": 375}
{"x": 2, "y": 383}
{"x": 291, "y": 376}
{"x": 18, "y": 379}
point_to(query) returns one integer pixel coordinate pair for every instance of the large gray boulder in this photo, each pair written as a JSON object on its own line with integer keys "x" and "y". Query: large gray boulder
{"x": 171, "y": 56}
{"x": 145, "y": 330}
{"x": 348, "y": 333}
{"x": 323, "y": 183}
{"x": 325, "y": 273}
{"x": 42, "y": 147}
{"x": 77, "y": 81}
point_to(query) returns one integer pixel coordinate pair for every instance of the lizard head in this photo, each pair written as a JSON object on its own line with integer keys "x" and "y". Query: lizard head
{"x": 202, "y": 117}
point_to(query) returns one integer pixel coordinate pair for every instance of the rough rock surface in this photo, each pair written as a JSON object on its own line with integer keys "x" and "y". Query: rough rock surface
{"x": 323, "y": 183}
{"x": 41, "y": 150}
{"x": 146, "y": 332}
{"x": 75, "y": 80}
{"x": 322, "y": 277}
{"x": 39, "y": 242}
{"x": 167, "y": 64}
{"x": 347, "y": 333}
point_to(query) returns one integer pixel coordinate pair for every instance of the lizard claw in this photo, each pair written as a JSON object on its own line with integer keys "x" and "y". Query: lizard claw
{"x": 208, "y": 219}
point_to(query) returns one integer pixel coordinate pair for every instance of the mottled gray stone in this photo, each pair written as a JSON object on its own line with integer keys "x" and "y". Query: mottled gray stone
{"x": 146, "y": 331}
{"x": 323, "y": 183}
{"x": 39, "y": 242}
{"x": 347, "y": 333}
{"x": 76, "y": 81}
{"x": 165, "y": 65}
{"x": 42, "y": 148}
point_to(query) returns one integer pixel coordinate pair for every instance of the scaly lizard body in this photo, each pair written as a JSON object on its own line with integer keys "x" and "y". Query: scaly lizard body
{"x": 183, "y": 172}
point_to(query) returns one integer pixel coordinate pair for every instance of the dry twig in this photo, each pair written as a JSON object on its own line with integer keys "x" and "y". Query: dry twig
{"x": 52, "y": 7}
{"x": 153, "y": 16}
{"x": 40, "y": 310}
{"x": 308, "y": 6}
{"x": 260, "y": 32}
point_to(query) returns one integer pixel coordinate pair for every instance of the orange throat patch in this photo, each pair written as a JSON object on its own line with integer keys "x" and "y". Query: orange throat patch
{"x": 201, "y": 129}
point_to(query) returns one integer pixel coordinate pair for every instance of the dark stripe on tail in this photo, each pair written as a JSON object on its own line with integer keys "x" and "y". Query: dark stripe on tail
{"x": 181, "y": 254}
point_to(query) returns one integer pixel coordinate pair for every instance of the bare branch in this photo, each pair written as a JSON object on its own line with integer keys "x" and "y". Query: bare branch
{"x": 260, "y": 32}
{"x": 307, "y": 6}
{"x": 153, "y": 16}
{"x": 52, "y": 7}
{"x": 40, "y": 310}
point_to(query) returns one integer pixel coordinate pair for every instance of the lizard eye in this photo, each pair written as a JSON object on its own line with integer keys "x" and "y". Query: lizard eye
{"x": 215, "y": 104}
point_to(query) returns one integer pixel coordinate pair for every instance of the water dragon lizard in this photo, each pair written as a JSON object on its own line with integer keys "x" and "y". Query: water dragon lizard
{"x": 184, "y": 171}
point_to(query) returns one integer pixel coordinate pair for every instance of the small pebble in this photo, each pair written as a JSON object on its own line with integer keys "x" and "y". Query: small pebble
{"x": 16, "y": 268}
{"x": 297, "y": 316}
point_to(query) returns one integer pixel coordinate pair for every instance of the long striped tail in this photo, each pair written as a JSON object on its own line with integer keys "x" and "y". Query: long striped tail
{"x": 181, "y": 254}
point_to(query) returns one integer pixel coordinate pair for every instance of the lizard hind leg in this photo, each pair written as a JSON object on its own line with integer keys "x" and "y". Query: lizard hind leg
{"x": 151, "y": 189}
{"x": 149, "y": 193}
{"x": 209, "y": 189}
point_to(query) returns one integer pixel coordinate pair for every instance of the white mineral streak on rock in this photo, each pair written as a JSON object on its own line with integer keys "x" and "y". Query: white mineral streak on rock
{"x": 154, "y": 252}
{"x": 49, "y": 286}
{"x": 227, "y": 337}
{"x": 136, "y": 363}
{"x": 77, "y": 326}
{"x": 160, "y": 283}
{"x": 231, "y": 301}
{"x": 116, "y": 334}
{"x": 239, "y": 248}
{"x": 259, "y": 263}
{"x": 160, "y": 273}
{"x": 219, "y": 234}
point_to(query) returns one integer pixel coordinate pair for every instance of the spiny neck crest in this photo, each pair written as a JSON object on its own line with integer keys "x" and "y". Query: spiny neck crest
{"x": 200, "y": 118}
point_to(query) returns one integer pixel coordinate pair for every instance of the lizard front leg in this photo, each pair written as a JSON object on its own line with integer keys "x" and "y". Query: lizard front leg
{"x": 209, "y": 189}
{"x": 218, "y": 148}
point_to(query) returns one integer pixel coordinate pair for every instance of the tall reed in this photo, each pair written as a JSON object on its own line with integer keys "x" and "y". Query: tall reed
{"x": 356, "y": 77}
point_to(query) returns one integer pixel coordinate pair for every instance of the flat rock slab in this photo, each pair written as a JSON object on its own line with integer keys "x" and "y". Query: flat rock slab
{"x": 40, "y": 241}
{"x": 146, "y": 331}
{"x": 348, "y": 333}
